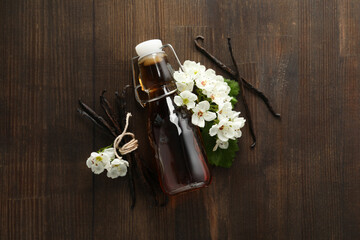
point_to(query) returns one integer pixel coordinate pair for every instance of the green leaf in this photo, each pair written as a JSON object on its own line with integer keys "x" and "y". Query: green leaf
{"x": 234, "y": 86}
{"x": 233, "y": 101}
{"x": 214, "y": 107}
{"x": 103, "y": 149}
{"x": 201, "y": 96}
{"x": 220, "y": 157}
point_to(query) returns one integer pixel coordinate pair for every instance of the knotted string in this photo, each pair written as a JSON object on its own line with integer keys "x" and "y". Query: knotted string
{"x": 128, "y": 147}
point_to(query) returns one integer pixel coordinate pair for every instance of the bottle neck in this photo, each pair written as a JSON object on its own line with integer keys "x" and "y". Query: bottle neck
{"x": 155, "y": 75}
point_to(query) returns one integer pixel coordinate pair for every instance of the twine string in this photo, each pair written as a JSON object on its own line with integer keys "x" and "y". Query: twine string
{"x": 128, "y": 147}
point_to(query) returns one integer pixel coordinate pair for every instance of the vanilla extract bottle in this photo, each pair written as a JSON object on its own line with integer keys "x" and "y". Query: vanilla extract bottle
{"x": 177, "y": 145}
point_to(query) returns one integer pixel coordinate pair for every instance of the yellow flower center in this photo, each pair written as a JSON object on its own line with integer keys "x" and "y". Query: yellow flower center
{"x": 98, "y": 158}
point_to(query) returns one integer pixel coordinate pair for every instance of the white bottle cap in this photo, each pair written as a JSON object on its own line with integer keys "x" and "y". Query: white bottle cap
{"x": 148, "y": 47}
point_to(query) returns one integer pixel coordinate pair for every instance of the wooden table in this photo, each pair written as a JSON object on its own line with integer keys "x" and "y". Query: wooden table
{"x": 302, "y": 181}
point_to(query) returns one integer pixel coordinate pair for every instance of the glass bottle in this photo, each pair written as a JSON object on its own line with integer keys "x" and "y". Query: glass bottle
{"x": 179, "y": 152}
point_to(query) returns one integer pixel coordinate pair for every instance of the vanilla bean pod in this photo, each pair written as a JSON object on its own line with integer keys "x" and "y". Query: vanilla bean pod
{"x": 133, "y": 158}
{"x": 232, "y": 74}
{"x": 95, "y": 117}
{"x": 83, "y": 113}
{"x": 109, "y": 112}
{"x": 131, "y": 182}
{"x": 119, "y": 106}
{"x": 153, "y": 185}
{"x": 241, "y": 84}
{"x": 262, "y": 96}
{"x": 153, "y": 180}
{"x": 146, "y": 176}
{"x": 143, "y": 171}
{"x": 114, "y": 131}
{"x": 144, "y": 179}
{"x": 121, "y": 103}
{"x": 212, "y": 57}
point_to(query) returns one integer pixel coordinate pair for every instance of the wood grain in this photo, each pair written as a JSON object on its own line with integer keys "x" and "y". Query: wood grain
{"x": 300, "y": 182}
{"x": 46, "y": 54}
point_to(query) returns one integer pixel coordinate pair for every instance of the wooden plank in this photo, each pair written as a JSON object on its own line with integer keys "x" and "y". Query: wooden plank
{"x": 321, "y": 167}
{"x": 114, "y": 47}
{"x": 263, "y": 46}
{"x": 348, "y": 107}
{"x": 46, "y": 65}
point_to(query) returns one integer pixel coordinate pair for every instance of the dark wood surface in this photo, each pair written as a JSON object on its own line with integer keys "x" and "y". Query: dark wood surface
{"x": 302, "y": 181}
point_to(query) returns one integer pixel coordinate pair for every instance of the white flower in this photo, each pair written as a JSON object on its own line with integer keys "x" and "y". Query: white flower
{"x": 201, "y": 114}
{"x": 193, "y": 69}
{"x": 206, "y": 81}
{"x": 220, "y": 78}
{"x": 221, "y": 144}
{"x": 189, "y": 86}
{"x": 219, "y": 93}
{"x": 215, "y": 87}
{"x": 98, "y": 162}
{"x": 180, "y": 76}
{"x": 224, "y": 130}
{"x": 183, "y": 81}
{"x": 186, "y": 98}
{"x": 110, "y": 152}
{"x": 225, "y": 111}
{"x": 118, "y": 168}
{"x": 238, "y": 123}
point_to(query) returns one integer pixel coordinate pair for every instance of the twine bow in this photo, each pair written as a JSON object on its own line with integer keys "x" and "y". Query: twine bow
{"x": 128, "y": 147}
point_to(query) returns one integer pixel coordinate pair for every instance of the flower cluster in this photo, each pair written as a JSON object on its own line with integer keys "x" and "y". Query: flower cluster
{"x": 105, "y": 159}
{"x": 207, "y": 96}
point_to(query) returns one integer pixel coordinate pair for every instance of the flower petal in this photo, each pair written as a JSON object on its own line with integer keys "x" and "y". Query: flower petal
{"x": 89, "y": 162}
{"x": 192, "y": 97}
{"x": 195, "y": 119}
{"x": 122, "y": 170}
{"x": 204, "y": 105}
{"x": 97, "y": 168}
{"x": 126, "y": 163}
{"x": 221, "y": 136}
{"x": 224, "y": 145}
{"x": 201, "y": 122}
{"x": 94, "y": 154}
{"x": 115, "y": 162}
{"x": 178, "y": 101}
{"x": 113, "y": 173}
{"x": 110, "y": 152}
{"x": 190, "y": 105}
{"x": 209, "y": 116}
{"x": 213, "y": 130}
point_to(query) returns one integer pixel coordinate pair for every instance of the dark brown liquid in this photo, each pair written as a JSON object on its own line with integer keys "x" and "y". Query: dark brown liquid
{"x": 177, "y": 144}
{"x": 154, "y": 72}
{"x": 178, "y": 148}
